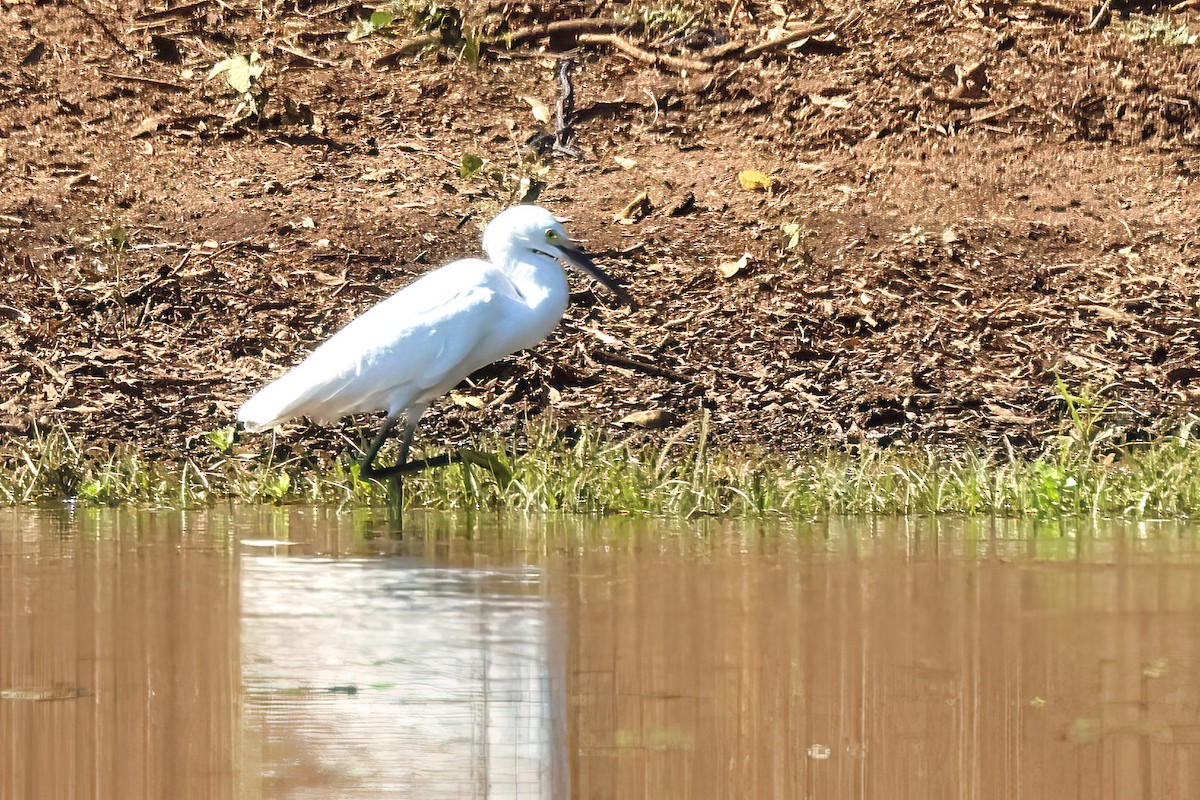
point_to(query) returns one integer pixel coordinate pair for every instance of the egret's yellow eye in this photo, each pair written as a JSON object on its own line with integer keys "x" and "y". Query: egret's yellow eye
{"x": 551, "y": 235}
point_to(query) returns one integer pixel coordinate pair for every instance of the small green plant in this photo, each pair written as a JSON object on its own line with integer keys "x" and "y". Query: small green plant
{"x": 915, "y": 235}
{"x": 1086, "y": 426}
{"x": 113, "y": 238}
{"x": 110, "y": 245}
{"x": 1159, "y": 29}
{"x": 274, "y": 486}
{"x": 798, "y": 242}
{"x": 434, "y": 16}
{"x": 435, "y": 25}
{"x": 420, "y": 17}
{"x": 378, "y": 21}
{"x": 222, "y": 438}
{"x": 471, "y": 47}
{"x": 669, "y": 17}
{"x": 243, "y": 73}
{"x": 469, "y": 165}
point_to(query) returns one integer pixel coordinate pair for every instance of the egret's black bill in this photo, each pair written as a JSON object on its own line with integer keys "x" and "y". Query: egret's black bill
{"x": 582, "y": 262}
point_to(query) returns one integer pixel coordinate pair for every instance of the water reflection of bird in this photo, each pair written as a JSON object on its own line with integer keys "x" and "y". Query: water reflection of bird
{"x": 416, "y": 345}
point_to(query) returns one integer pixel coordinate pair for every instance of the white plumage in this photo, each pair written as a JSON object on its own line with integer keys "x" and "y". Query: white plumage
{"x": 416, "y": 345}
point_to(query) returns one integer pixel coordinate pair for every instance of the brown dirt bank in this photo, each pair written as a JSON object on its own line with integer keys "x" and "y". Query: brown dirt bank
{"x": 965, "y": 234}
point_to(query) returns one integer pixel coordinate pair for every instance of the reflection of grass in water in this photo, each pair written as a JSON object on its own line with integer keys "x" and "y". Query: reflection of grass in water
{"x": 675, "y": 474}
{"x": 668, "y": 738}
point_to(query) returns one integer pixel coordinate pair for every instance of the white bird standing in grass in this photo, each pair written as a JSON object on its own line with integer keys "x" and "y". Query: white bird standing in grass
{"x": 416, "y": 345}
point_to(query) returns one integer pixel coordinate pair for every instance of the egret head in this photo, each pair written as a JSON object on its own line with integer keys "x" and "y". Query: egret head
{"x": 527, "y": 227}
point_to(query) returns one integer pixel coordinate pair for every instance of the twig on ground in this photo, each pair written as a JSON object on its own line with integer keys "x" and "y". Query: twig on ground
{"x": 720, "y": 52}
{"x": 607, "y": 33}
{"x": 1050, "y": 9}
{"x": 409, "y": 47}
{"x": 1101, "y": 18}
{"x": 172, "y": 87}
{"x": 95, "y": 19}
{"x": 988, "y": 116}
{"x": 141, "y": 291}
{"x": 782, "y": 42}
{"x": 167, "y": 13}
{"x": 734, "y": 7}
{"x": 653, "y": 100}
{"x": 654, "y": 59}
{"x": 298, "y": 53}
{"x": 563, "y": 27}
{"x": 641, "y": 365}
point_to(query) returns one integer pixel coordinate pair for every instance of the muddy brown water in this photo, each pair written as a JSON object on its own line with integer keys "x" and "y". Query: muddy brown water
{"x": 302, "y": 653}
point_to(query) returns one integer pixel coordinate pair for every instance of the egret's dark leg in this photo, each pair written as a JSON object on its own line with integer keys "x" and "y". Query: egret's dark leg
{"x": 368, "y": 470}
{"x": 406, "y": 437}
{"x": 365, "y": 468}
{"x": 403, "y": 466}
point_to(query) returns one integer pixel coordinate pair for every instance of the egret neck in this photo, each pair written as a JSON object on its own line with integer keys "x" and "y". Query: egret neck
{"x": 540, "y": 281}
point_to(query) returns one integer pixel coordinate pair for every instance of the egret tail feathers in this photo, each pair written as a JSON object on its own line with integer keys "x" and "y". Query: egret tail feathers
{"x": 310, "y": 391}
{"x": 292, "y": 395}
{"x": 266, "y": 408}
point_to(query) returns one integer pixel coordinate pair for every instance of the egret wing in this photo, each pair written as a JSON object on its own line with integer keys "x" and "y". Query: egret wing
{"x": 393, "y": 354}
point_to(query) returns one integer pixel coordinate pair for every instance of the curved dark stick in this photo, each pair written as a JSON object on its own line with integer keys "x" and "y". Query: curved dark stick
{"x": 443, "y": 460}
{"x": 564, "y": 130}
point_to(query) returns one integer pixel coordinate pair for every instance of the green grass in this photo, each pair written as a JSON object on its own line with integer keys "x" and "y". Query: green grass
{"x": 1163, "y": 29}
{"x": 673, "y": 474}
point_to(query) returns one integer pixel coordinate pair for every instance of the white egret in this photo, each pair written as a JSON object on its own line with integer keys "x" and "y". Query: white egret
{"x": 413, "y": 347}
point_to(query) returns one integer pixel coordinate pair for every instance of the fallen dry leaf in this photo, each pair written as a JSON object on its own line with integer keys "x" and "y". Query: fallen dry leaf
{"x": 730, "y": 268}
{"x": 1008, "y": 417}
{"x": 636, "y": 209}
{"x": 148, "y": 126}
{"x": 541, "y": 112}
{"x": 651, "y": 418}
{"x": 754, "y": 180}
{"x": 466, "y": 400}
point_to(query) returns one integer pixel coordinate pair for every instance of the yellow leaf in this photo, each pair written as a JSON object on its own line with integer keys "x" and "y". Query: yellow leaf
{"x": 638, "y": 208}
{"x": 540, "y": 111}
{"x": 730, "y": 268}
{"x": 465, "y": 401}
{"x": 754, "y": 180}
{"x": 654, "y": 418}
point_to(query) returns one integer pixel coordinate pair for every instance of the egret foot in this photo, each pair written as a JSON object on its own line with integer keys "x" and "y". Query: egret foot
{"x": 488, "y": 461}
